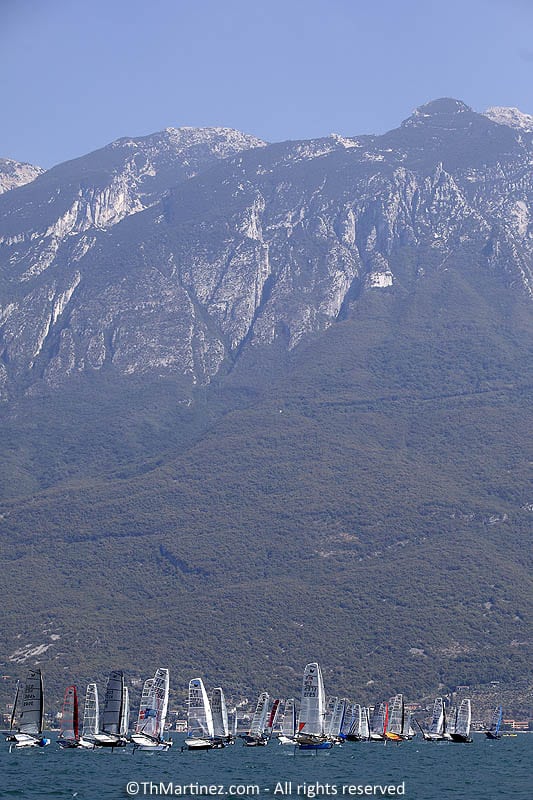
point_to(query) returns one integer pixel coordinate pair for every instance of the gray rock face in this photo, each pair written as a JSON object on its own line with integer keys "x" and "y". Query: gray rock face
{"x": 172, "y": 253}
{"x": 14, "y": 173}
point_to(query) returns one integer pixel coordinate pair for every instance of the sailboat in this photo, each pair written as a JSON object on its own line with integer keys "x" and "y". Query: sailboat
{"x": 200, "y": 730}
{"x": 311, "y": 734}
{"x": 379, "y": 723}
{"x": 272, "y": 717}
{"x": 494, "y": 729}
{"x": 30, "y": 716}
{"x": 68, "y": 732}
{"x": 91, "y": 717}
{"x": 336, "y": 720}
{"x": 364, "y": 728}
{"x": 220, "y": 717}
{"x": 256, "y": 735}
{"x": 149, "y": 731}
{"x": 436, "y": 730}
{"x": 115, "y": 717}
{"x": 359, "y": 724}
{"x": 460, "y": 729}
{"x": 399, "y": 728}
{"x": 288, "y": 724}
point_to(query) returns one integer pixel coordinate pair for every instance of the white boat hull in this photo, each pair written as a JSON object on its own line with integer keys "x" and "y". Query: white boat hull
{"x": 203, "y": 744}
{"x": 109, "y": 740}
{"x": 143, "y": 742}
{"x": 27, "y": 740}
{"x": 88, "y": 744}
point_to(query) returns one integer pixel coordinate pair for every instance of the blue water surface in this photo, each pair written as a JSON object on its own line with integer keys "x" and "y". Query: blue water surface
{"x": 414, "y": 770}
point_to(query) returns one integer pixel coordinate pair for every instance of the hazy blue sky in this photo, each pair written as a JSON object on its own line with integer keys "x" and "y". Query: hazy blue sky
{"x": 77, "y": 74}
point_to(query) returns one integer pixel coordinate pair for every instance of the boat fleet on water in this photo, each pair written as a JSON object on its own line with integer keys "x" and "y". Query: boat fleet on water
{"x": 319, "y": 724}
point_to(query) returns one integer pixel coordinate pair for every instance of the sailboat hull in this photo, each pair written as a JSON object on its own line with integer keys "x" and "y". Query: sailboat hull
{"x": 325, "y": 745}
{"x": 254, "y": 741}
{"x": 26, "y": 740}
{"x": 204, "y": 744}
{"x": 109, "y": 740}
{"x": 88, "y": 744}
{"x": 143, "y": 742}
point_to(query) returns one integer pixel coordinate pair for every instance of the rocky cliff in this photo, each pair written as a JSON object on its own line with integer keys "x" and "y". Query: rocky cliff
{"x": 173, "y": 253}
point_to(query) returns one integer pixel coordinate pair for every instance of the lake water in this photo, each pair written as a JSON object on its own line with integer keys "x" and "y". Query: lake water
{"x": 413, "y": 770}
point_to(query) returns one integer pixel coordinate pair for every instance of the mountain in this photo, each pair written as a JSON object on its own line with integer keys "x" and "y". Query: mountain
{"x": 266, "y": 403}
{"x": 13, "y": 174}
{"x": 103, "y": 266}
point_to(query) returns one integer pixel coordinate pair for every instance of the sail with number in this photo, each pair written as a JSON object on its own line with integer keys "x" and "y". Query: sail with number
{"x": 311, "y": 732}
{"x": 312, "y": 708}
{"x": 29, "y": 706}
{"x": 32, "y": 712}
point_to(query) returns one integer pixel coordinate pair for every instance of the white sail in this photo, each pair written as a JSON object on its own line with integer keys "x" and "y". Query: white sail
{"x": 150, "y": 726}
{"x": 364, "y": 730}
{"x": 408, "y": 728}
{"x": 91, "y": 713}
{"x": 161, "y": 691}
{"x": 125, "y": 715}
{"x": 451, "y": 720}
{"x": 355, "y": 723}
{"x": 259, "y": 718}
{"x": 288, "y": 725}
{"x": 348, "y": 721}
{"x": 199, "y": 716}
{"x": 464, "y": 718}
{"x": 311, "y": 721}
{"x": 337, "y": 718}
{"x": 31, "y": 715}
{"x": 379, "y": 721}
{"x": 220, "y": 713}
{"x": 397, "y": 716}
{"x": 436, "y": 726}
{"x": 147, "y": 717}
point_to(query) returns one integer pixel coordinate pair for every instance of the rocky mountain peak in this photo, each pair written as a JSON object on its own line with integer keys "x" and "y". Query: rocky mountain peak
{"x": 437, "y": 111}
{"x": 512, "y": 117}
{"x": 14, "y": 173}
{"x": 221, "y": 142}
